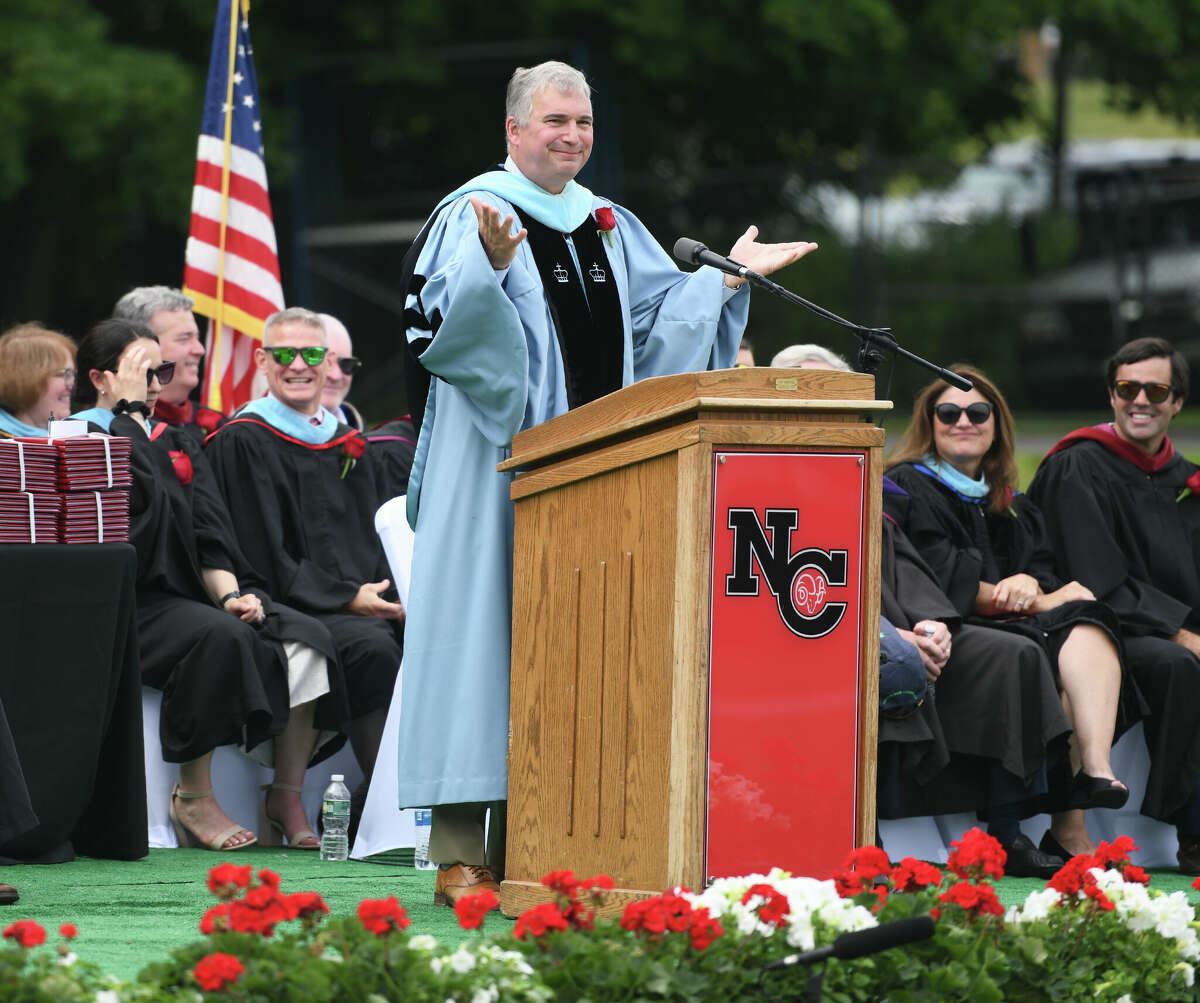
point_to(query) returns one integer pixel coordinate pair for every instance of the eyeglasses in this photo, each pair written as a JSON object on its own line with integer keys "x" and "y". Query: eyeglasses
{"x": 977, "y": 413}
{"x": 1128, "y": 390}
{"x": 165, "y": 373}
{"x": 66, "y": 375}
{"x": 285, "y": 355}
{"x": 348, "y": 364}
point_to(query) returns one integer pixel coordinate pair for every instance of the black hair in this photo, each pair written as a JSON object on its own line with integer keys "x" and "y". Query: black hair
{"x": 101, "y": 348}
{"x": 1141, "y": 349}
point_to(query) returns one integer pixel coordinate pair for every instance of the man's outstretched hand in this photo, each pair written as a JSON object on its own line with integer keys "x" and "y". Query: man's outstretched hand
{"x": 764, "y": 258}
{"x": 499, "y": 242}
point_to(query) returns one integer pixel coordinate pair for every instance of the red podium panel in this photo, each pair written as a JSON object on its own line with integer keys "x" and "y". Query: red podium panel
{"x": 784, "y": 687}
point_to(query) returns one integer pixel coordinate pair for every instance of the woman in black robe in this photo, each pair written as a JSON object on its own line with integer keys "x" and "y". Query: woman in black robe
{"x": 233, "y": 667}
{"x": 989, "y": 551}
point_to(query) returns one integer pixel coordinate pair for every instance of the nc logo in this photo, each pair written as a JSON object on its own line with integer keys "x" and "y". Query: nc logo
{"x": 799, "y": 582}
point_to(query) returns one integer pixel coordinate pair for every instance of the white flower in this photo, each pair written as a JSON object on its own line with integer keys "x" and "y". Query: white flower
{"x": 1125, "y": 999}
{"x": 68, "y": 959}
{"x": 1036, "y": 907}
{"x": 462, "y": 961}
{"x": 488, "y": 995}
{"x": 107, "y": 996}
{"x": 1189, "y": 973}
{"x": 422, "y": 942}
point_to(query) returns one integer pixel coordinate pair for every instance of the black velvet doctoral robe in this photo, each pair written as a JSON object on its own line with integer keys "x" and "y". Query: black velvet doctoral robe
{"x": 310, "y": 532}
{"x": 224, "y": 682}
{"x": 393, "y": 446}
{"x": 1120, "y": 531}
{"x": 966, "y": 543}
{"x": 995, "y": 701}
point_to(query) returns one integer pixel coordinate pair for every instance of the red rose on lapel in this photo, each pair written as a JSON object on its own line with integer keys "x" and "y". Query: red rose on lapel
{"x": 355, "y": 446}
{"x": 605, "y": 219}
{"x": 1190, "y": 487}
{"x": 183, "y": 466}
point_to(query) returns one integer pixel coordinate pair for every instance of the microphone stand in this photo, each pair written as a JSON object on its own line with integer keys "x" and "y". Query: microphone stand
{"x": 873, "y": 342}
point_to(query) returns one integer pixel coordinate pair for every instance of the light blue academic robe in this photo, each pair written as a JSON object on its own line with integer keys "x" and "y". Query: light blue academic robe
{"x": 498, "y": 370}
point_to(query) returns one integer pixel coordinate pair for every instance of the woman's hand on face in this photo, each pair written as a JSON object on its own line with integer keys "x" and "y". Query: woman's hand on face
{"x": 1016, "y": 593}
{"x": 129, "y": 381}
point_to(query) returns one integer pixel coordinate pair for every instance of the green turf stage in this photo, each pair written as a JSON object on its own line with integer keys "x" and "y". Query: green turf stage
{"x": 130, "y": 913}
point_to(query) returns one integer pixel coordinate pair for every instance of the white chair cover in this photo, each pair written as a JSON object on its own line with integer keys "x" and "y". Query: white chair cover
{"x": 384, "y": 826}
{"x": 929, "y": 838}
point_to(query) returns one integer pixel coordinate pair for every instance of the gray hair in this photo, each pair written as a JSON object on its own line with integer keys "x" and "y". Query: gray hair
{"x": 527, "y": 81}
{"x": 140, "y": 304}
{"x": 292, "y": 315}
{"x": 794, "y": 357}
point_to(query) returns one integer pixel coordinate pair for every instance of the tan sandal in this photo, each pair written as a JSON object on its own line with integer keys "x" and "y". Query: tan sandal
{"x": 188, "y": 838}
{"x": 273, "y": 831}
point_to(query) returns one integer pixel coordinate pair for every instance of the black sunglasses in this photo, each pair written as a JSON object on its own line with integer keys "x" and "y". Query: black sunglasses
{"x": 977, "y": 413}
{"x": 348, "y": 364}
{"x": 285, "y": 355}
{"x": 1128, "y": 390}
{"x": 165, "y": 373}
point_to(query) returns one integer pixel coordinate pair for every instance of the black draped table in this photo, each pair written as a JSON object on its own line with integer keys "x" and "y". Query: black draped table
{"x": 71, "y": 692}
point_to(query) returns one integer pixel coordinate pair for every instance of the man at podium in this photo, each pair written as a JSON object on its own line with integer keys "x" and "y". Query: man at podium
{"x": 528, "y": 296}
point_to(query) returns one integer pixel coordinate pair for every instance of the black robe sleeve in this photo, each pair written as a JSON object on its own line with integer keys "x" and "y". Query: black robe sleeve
{"x": 1087, "y": 523}
{"x": 937, "y": 533}
{"x": 909, "y": 591}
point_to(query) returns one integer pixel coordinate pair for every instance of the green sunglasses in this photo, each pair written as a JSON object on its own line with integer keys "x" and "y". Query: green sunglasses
{"x": 285, "y": 354}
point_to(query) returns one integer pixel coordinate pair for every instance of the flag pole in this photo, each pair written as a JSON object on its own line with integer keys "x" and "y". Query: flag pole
{"x": 218, "y": 341}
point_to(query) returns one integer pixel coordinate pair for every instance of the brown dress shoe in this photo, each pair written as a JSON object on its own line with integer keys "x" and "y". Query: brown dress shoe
{"x": 463, "y": 879}
{"x": 8, "y": 895}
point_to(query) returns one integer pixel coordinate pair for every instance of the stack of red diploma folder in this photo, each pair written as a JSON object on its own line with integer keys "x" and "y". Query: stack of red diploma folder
{"x": 72, "y": 490}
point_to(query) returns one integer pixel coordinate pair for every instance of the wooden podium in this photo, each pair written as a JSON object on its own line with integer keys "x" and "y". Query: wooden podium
{"x": 695, "y": 632}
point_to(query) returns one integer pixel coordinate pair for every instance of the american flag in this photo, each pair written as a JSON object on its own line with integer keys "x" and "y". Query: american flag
{"x": 232, "y": 266}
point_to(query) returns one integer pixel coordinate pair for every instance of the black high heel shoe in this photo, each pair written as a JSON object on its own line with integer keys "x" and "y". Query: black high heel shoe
{"x": 1053, "y": 847}
{"x": 1097, "y": 792}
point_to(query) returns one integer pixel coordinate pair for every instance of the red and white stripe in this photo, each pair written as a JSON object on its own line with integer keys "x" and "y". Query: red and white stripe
{"x": 239, "y": 288}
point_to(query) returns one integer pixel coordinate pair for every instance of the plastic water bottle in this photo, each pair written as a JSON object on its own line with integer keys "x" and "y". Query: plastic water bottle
{"x": 335, "y": 820}
{"x": 424, "y": 819}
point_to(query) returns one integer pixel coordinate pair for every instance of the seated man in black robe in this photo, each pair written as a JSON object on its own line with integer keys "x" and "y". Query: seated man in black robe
{"x": 302, "y": 490}
{"x": 1125, "y": 523}
{"x": 168, "y": 313}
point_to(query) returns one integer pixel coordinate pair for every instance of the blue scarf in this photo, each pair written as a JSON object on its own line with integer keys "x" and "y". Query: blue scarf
{"x": 564, "y": 213}
{"x": 13, "y": 425}
{"x": 968, "y": 489}
{"x": 291, "y": 422}
{"x": 101, "y": 416}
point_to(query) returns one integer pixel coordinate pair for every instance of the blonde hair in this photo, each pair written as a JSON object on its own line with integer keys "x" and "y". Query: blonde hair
{"x": 29, "y": 356}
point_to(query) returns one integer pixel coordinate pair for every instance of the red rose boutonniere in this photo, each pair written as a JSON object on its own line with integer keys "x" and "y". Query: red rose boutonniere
{"x": 1190, "y": 487}
{"x": 353, "y": 448}
{"x": 183, "y": 466}
{"x": 606, "y": 222}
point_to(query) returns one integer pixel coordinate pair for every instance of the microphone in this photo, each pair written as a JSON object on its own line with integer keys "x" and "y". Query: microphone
{"x": 695, "y": 253}
{"x": 862, "y": 942}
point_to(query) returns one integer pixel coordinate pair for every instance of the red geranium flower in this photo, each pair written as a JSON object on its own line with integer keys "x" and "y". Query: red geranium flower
{"x": 471, "y": 910}
{"x": 68, "y": 931}
{"x": 912, "y": 875}
{"x": 605, "y": 219}
{"x": 224, "y": 880}
{"x": 859, "y": 871}
{"x": 562, "y": 882}
{"x": 382, "y": 916}
{"x": 307, "y": 905}
{"x": 775, "y": 906}
{"x": 183, "y": 466}
{"x": 977, "y": 855}
{"x": 25, "y": 932}
{"x": 704, "y": 929}
{"x": 539, "y": 920}
{"x": 979, "y": 900}
{"x": 352, "y": 449}
{"x": 215, "y": 971}
{"x": 216, "y": 919}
